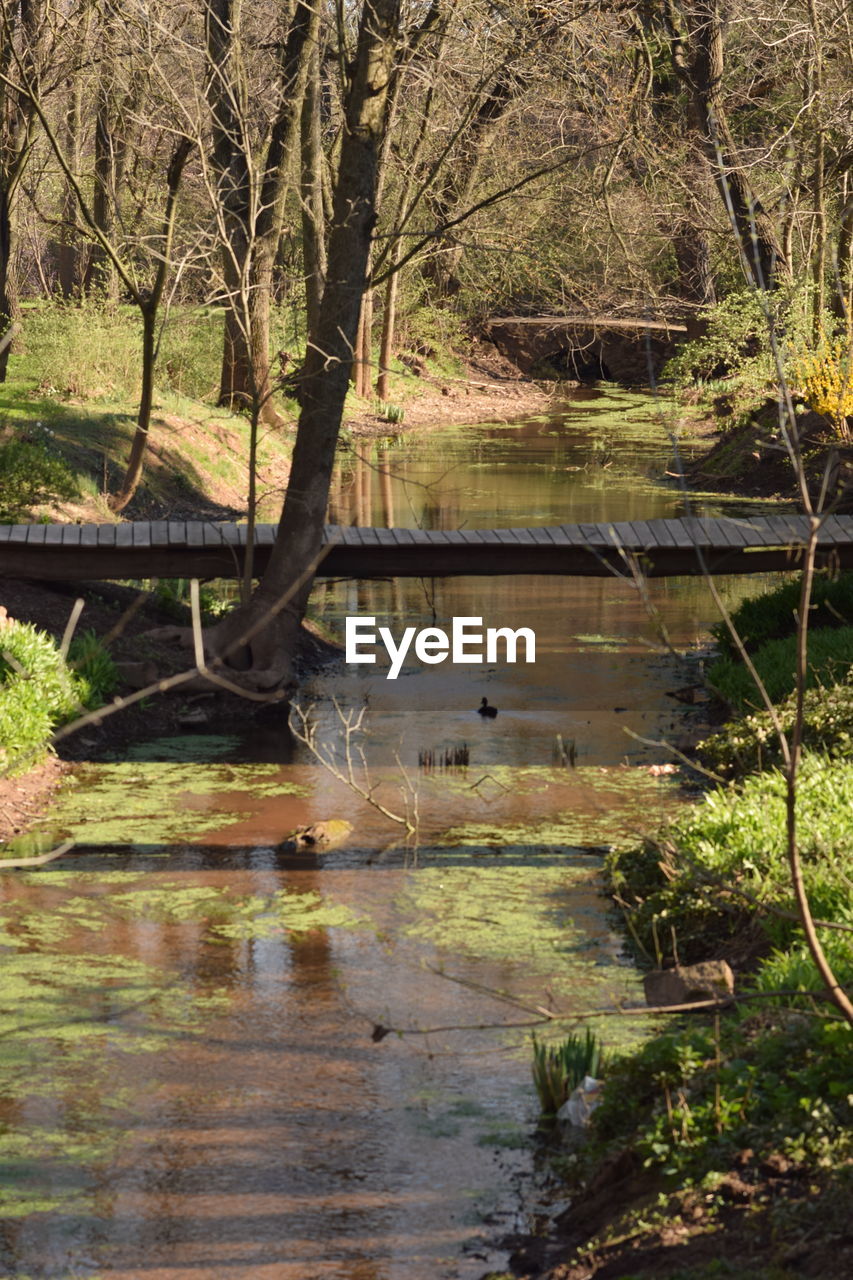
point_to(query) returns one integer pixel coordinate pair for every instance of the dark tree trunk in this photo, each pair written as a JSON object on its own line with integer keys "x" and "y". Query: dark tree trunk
{"x": 842, "y": 292}
{"x": 24, "y": 30}
{"x": 7, "y": 297}
{"x": 69, "y": 258}
{"x": 149, "y": 305}
{"x": 442, "y": 266}
{"x": 313, "y": 219}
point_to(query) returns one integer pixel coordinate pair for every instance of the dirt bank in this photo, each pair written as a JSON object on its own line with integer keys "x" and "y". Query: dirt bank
{"x": 24, "y": 800}
{"x": 492, "y": 389}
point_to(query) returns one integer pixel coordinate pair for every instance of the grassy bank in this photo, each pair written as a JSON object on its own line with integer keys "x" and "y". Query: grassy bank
{"x": 72, "y": 391}
{"x": 726, "y": 1140}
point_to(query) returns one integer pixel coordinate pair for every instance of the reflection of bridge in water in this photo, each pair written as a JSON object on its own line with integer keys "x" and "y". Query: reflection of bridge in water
{"x": 203, "y": 549}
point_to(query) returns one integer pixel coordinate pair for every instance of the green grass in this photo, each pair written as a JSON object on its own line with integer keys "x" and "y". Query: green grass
{"x": 830, "y": 658}
{"x": 75, "y": 382}
{"x": 688, "y": 879}
{"x": 774, "y": 615}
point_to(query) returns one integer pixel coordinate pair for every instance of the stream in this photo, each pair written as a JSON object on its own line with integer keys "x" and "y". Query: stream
{"x": 192, "y": 1081}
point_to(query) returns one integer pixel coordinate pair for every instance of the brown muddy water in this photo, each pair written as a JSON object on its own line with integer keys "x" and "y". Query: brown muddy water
{"x": 188, "y": 1078}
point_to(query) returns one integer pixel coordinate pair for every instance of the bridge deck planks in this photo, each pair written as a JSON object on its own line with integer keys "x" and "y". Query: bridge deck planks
{"x": 204, "y": 548}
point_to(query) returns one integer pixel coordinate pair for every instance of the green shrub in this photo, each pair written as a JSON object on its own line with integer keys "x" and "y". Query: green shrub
{"x": 774, "y": 615}
{"x": 37, "y": 692}
{"x": 830, "y": 657}
{"x": 751, "y": 743}
{"x": 736, "y": 343}
{"x": 30, "y": 475}
{"x": 91, "y": 350}
{"x": 558, "y": 1069}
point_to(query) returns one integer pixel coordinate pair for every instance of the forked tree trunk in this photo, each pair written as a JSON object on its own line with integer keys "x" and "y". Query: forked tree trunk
{"x": 270, "y": 624}
{"x": 149, "y": 305}
{"x": 252, "y": 219}
{"x": 761, "y": 249}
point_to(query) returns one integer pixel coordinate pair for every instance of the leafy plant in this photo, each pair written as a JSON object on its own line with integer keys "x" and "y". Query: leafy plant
{"x": 825, "y": 376}
{"x": 558, "y": 1069}
{"x": 94, "y": 667}
{"x": 37, "y": 692}
{"x": 689, "y": 1101}
{"x": 390, "y": 412}
{"x": 708, "y": 871}
{"x": 30, "y": 475}
{"x": 751, "y": 742}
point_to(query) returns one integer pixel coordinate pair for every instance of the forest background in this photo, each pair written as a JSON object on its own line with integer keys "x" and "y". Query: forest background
{"x": 335, "y": 190}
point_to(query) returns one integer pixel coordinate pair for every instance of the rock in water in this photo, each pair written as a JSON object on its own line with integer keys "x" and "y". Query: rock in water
{"x": 320, "y": 835}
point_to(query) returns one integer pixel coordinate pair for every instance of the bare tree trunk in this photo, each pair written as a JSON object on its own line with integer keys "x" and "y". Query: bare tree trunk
{"x": 149, "y": 305}
{"x": 101, "y": 273}
{"x": 271, "y": 621}
{"x": 389, "y": 325}
{"x": 252, "y": 204}
{"x": 313, "y": 216}
{"x": 702, "y": 70}
{"x": 442, "y": 266}
{"x": 364, "y": 346}
{"x": 842, "y": 293}
{"x": 18, "y": 121}
{"x": 69, "y": 255}
{"x": 8, "y": 299}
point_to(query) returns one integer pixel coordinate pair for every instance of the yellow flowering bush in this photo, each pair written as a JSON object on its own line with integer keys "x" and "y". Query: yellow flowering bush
{"x": 825, "y": 377}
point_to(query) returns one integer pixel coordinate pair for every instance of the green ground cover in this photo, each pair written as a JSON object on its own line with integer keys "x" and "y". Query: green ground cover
{"x": 767, "y": 1084}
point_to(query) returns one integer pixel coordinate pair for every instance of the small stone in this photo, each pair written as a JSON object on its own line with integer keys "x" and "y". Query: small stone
{"x": 689, "y": 983}
{"x": 137, "y": 675}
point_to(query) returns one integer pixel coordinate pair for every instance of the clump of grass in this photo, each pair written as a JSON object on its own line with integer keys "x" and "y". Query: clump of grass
{"x": 93, "y": 666}
{"x": 774, "y": 615}
{"x": 558, "y": 1069}
{"x": 30, "y": 476}
{"x": 389, "y": 412}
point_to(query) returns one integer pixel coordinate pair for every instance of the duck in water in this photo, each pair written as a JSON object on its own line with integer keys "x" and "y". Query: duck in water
{"x": 485, "y": 710}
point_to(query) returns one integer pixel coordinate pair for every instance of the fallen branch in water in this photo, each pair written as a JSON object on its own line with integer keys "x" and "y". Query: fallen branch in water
{"x": 6, "y": 864}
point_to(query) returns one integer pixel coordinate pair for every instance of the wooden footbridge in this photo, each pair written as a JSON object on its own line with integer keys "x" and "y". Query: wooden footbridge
{"x": 202, "y": 549}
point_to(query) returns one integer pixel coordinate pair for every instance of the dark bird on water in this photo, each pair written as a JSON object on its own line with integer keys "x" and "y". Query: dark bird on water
{"x": 485, "y": 710}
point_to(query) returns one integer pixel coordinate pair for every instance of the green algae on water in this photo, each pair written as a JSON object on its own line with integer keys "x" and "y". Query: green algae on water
{"x": 272, "y": 915}
{"x": 149, "y": 802}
